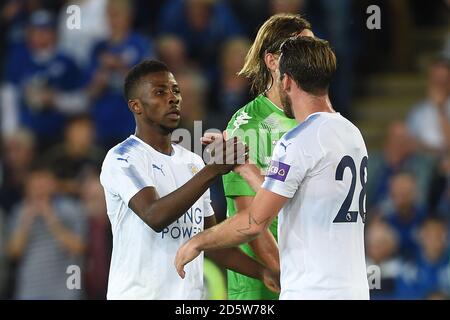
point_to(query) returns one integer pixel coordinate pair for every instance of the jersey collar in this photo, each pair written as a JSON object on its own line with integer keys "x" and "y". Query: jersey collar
{"x": 271, "y": 105}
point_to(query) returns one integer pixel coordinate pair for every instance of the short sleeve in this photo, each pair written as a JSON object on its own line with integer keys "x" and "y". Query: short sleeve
{"x": 209, "y": 211}
{"x": 288, "y": 168}
{"x": 125, "y": 176}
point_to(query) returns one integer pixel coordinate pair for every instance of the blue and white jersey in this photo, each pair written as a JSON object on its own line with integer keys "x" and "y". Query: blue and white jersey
{"x": 142, "y": 262}
{"x": 321, "y": 166}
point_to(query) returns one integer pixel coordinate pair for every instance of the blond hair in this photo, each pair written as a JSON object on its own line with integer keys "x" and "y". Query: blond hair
{"x": 270, "y": 36}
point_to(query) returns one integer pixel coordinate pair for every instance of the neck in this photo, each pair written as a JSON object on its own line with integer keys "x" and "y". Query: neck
{"x": 156, "y": 138}
{"x": 273, "y": 95}
{"x": 304, "y": 104}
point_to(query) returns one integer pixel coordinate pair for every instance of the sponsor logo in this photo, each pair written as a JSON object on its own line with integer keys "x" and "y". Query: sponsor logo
{"x": 123, "y": 159}
{"x": 185, "y": 227}
{"x": 193, "y": 168}
{"x": 241, "y": 119}
{"x": 278, "y": 170}
{"x": 158, "y": 168}
{"x": 285, "y": 145}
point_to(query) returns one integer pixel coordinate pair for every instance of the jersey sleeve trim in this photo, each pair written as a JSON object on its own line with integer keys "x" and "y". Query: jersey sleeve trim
{"x": 277, "y": 187}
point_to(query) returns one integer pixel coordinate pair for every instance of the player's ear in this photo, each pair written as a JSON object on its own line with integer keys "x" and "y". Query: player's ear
{"x": 306, "y": 33}
{"x": 271, "y": 61}
{"x": 286, "y": 82}
{"x": 135, "y": 106}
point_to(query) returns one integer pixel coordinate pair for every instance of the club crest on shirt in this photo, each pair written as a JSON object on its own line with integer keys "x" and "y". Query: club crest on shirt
{"x": 193, "y": 168}
{"x": 278, "y": 171}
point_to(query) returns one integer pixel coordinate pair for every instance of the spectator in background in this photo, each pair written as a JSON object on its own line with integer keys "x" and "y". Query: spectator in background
{"x": 194, "y": 88}
{"x": 332, "y": 20}
{"x": 172, "y": 50}
{"x": 429, "y": 121}
{"x": 398, "y": 155}
{"x": 99, "y": 241}
{"x": 442, "y": 189}
{"x": 251, "y": 14}
{"x": 403, "y": 212}
{"x": 111, "y": 60}
{"x": 76, "y": 155}
{"x": 18, "y": 153}
{"x": 446, "y": 50}
{"x": 203, "y": 25}
{"x": 231, "y": 90}
{"x": 3, "y": 260}
{"x": 428, "y": 275}
{"x": 286, "y": 6}
{"x": 47, "y": 235}
{"x": 79, "y": 43}
{"x": 40, "y": 83}
{"x": 382, "y": 251}
{"x": 14, "y": 17}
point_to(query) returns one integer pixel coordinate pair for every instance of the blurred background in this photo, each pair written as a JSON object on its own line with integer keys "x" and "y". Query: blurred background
{"x": 62, "y": 108}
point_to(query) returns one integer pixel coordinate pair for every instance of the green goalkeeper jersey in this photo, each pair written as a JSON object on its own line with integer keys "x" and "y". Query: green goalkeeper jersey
{"x": 260, "y": 124}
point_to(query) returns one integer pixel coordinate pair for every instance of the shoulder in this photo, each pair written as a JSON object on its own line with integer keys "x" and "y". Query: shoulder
{"x": 311, "y": 137}
{"x": 125, "y": 153}
{"x": 306, "y": 128}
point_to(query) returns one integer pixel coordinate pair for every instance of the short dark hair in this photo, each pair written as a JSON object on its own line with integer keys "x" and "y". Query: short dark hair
{"x": 310, "y": 62}
{"x": 139, "y": 71}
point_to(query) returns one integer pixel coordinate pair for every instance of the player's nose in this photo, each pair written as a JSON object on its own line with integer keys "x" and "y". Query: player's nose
{"x": 174, "y": 99}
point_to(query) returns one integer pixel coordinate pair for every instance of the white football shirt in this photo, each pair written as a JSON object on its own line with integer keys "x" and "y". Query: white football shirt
{"x": 321, "y": 165}
{"x": 142, "y": 262}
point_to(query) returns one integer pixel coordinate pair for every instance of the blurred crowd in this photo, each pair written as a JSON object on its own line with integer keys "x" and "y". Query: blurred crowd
{"x": 62, "y": 108}
{"x": 409, "y": 197}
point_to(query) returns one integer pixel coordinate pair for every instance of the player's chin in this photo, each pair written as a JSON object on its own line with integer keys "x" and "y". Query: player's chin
{"x": 172, "y": 125}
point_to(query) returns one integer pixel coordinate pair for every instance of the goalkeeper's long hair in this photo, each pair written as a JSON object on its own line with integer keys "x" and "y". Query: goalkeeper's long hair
{"x": 269, "y": 38}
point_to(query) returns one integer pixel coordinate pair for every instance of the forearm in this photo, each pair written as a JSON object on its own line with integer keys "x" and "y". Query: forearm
{"x": 230, "y": 233}
{"x": 255, "y": 181}
{"x": 169, "y": 208}
{"x": 17, "y": 243}
{"x": 266, "y": 249}
{"x": 236, "y": 260}
{"x": 69, "y": 240}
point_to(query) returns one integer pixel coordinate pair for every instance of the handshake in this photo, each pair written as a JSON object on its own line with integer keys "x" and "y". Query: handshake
{"x": 223, "y": 155}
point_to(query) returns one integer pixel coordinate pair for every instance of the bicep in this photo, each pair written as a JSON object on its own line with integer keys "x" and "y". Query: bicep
{"x": 266, "y": 206}
{"x": 142, "y": 200}
{"x": 243, "y": 202}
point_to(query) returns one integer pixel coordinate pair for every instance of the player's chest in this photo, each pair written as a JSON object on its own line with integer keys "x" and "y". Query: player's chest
{"x": 171, "y": 175}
